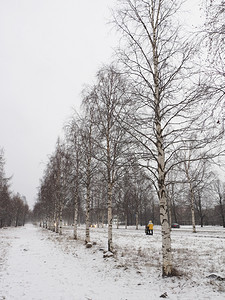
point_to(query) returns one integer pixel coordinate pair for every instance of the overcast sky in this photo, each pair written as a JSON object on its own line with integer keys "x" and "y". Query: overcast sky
{"x": 48, "y": 50}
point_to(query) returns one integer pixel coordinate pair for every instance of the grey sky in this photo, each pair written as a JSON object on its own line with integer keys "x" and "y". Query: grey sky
{"x": 48, "y": 50}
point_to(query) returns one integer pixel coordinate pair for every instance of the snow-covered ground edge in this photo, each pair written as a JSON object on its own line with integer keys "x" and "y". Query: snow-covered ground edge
{"x": 135, "y": 270}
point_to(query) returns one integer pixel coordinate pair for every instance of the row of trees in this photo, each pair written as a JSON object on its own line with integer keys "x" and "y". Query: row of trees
{"x": 13, "y": 207}
{"x": 151, "y": 127}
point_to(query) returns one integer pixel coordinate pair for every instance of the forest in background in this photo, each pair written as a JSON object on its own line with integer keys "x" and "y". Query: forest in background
{"x": 13, "y": 207}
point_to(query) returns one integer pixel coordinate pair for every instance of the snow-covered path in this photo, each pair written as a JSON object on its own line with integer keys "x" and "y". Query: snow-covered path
{"x": 37, "y": 264}
{"x": 35, "y": 270}
{"x": 32, "y": 268}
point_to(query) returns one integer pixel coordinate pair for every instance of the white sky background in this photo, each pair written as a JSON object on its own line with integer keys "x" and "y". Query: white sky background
{"x": 48, "y": 50}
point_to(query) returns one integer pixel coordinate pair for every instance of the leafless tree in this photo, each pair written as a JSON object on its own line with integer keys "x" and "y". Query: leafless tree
{"x": 58, "y": 164}
{"x": 157, "y": 55}
{"x": 87, "y": 147}
{"x": 73, "y": 142}
{"x": 196, "y": 166}
{"x": 203, "y": 188}
{"x": 52, "y": 195}
{"x": 107, "y": 99}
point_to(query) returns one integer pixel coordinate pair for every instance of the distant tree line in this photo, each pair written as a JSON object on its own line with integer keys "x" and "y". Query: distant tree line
{"x": 13, "y": 207}
{"x": 150, "y": 131}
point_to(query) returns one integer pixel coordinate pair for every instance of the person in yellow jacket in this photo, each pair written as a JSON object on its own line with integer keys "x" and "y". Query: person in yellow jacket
{"x": 150, "y": 227}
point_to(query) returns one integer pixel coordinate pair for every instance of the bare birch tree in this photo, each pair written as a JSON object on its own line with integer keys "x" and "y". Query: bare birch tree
{"x": 86, "y": 133}
{"x": 53, "y": 189}
{"x": 188, "y": 174}
{"x": 157, "y": 54}
{"x": 73, "y": 138}
{"x": 107, "y": 99}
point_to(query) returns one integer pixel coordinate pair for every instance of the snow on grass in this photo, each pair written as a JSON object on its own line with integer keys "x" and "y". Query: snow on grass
{"x": 38, "y": 264}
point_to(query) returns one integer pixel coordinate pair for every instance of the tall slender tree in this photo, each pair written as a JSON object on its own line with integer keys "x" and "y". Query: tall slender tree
{"x": 157, "y": 54}
{"x": 107, "y": 99}
{"x": 73, "y": 141}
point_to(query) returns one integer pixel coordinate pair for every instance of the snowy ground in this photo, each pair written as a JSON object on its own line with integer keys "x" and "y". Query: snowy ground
{"x": 39, "y": 264}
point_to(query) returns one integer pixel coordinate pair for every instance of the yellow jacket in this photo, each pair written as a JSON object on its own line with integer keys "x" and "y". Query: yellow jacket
{"x": 150, "y": 226}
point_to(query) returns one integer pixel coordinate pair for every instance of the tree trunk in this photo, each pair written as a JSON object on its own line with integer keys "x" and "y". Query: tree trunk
{"x": 57, "y": 225}
{"x": 75, "y": 216}
{"x": 192, "y": 210}
{"x": 169, "y": 212}
{"x": 60, "y": 218}
{"x": 103, "y": 217}
{"x": 200, "y": 209}
{"x": 110, "y": 243}
{"x": 17, "y": 219}
{"x": 51, "y": 225}
{"x": 136, "y": 217}
{"x": 87, "y": 231}
{"x": 88, "y": 200}
{"x": 222, "y": 210}
{"x": 165, "y": 227}
{"x": 202, "y": 221}
{"x": 174, "y": 212}
{"x": 54, "y": 219}
{"x": 98, "y": 213}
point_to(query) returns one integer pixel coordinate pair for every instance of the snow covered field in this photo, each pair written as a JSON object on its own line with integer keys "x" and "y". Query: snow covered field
{"x": 39, "y": 264}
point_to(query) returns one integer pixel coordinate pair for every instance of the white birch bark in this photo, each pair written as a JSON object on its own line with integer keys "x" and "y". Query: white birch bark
{"x": 136, "y": 217}
{"x": 54, "y": 221}
{"x": 98, "y": 214}
{"x": 110, "y": 243}
{"x": 88, "y": 187}
{"x": 165, "y": 228}
{"x": 75, "y": 216}
{"x": 57, "y": 224}
{"x": 98, "y": 220}
{"x": 103, "y": 217}
{"x": 60, "y": 218}
{"x": 75, "y": 220}
{"x": 87, "y": 230}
